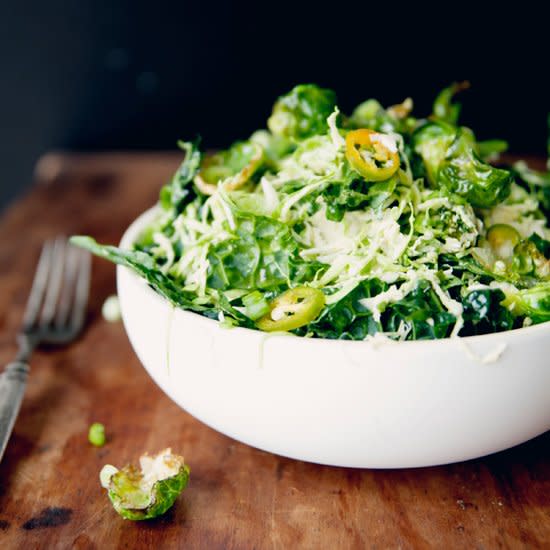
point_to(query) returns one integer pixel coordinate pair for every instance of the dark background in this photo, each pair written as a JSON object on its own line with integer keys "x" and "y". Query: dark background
{"x": 95, "y": 75}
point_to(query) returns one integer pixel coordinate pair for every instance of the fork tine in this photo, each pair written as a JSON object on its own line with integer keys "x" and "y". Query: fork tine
{"x": 72, "y": 257}
{"x": 38, "y": 289}
{"x": 82, "y": 291}
{"x": 55, "y": 281}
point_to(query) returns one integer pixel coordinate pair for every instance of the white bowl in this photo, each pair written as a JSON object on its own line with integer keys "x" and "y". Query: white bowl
{"x": 364, "y": 404}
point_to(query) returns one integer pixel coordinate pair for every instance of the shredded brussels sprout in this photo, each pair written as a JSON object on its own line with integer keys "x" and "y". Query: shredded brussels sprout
{"x": 401, "y": 222}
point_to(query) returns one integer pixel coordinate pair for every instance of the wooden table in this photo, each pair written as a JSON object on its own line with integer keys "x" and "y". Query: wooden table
{"x": 238, "y": 497}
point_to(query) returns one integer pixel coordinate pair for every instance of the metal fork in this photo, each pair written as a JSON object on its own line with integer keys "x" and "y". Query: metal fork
{"x": 55, "y": 315}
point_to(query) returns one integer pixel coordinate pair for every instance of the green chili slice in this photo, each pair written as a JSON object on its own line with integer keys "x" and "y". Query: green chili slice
{"x": 292, "y": 309}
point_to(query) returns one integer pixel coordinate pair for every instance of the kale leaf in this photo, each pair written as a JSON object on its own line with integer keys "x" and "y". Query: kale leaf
{"x": 422, "y": 314}
{"x": 178, "y": 193}
{"x": 263, "y": 254}
{"x": 349, "y": 319}
{"x": 542, "y": 245}
{"x": 484, "y": 312}
{"x": 144, "y": 265}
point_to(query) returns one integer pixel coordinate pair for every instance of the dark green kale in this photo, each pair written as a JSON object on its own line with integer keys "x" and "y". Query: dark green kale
{"x": 144, "y": 265}
{"x": 542, "y": 245}
{"x": 349, "y": 319}
{"x": 421, "y": 312}
{"x": 484, "y": 313}
{"x": 262, "y": 255}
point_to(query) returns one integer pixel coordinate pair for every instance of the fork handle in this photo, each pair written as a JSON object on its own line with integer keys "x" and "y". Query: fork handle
{"x": 12, "y": 387}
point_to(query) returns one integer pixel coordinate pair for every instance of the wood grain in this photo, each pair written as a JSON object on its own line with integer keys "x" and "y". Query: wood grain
{"x": 238, "y": 497}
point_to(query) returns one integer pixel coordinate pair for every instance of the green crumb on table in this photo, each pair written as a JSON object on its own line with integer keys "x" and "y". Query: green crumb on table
{"x": 96, "y": 434}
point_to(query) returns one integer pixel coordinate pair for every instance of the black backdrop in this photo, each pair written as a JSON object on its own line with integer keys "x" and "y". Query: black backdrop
{"x": 128, "y": 75}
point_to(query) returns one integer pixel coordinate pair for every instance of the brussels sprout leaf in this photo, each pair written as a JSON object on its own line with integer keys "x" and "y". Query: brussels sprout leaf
{"x": 303, "y": 112}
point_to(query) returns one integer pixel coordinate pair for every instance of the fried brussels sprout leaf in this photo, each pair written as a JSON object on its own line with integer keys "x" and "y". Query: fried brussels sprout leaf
{"x": 444, "y": 109}
{"x": 302, "y": 112}
{"x": 149, "y": 491}
{"x": 235, "y": 167}
{"x": 465, "y": 174}
{"x": 370, "y": 114}
{"x": 431, "y": 142}
{"x": 451, "y": 161}
{"x": 275, "y": 148}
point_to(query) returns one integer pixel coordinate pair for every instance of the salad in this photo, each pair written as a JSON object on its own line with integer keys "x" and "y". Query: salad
{"x": 344, "y": 226}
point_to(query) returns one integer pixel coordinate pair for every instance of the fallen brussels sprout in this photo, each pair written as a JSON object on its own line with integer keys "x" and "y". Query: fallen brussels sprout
{"x": 149, "y": 491}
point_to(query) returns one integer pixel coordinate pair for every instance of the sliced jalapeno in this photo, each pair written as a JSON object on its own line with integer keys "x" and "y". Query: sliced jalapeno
{"x": 372, "y": 154}
{"x": 292, "y": 309}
